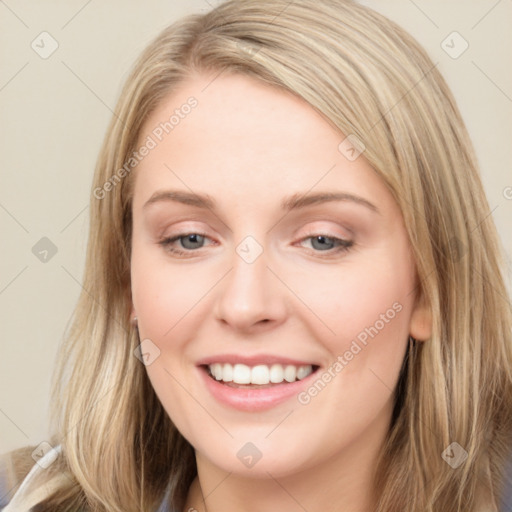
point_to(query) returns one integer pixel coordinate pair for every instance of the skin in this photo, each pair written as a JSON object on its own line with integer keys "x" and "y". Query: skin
{"x": 249, "y": 146}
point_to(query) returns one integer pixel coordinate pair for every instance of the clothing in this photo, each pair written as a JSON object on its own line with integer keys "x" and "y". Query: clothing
{"x": 25, "y": 498}
{"x": 506, "y": 504}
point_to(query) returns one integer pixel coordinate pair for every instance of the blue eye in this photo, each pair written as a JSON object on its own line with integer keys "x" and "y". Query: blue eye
{"x": 188, "y": 241}
{"x": 191, "y": 240}
{"x": 323, "y": 242}
{"x": 331, "y": 244}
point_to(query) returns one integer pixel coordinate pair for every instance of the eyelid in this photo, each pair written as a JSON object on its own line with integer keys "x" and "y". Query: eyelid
{"x": 176, "y": 236}
{"x": 343, "y": 233}
{"x": 316, "y": 227}
{"x": 341, "y": 246}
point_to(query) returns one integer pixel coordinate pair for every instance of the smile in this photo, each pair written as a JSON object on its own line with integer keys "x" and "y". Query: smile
{"x": 258, "y": 375}
{"x": 256, "y": 383}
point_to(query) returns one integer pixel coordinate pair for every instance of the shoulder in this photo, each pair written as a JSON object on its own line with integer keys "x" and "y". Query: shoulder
{"x": 5, "y": 488}
{"x": 18, "y": 470}
{"x": 20, "y": 487}
{"x": 506, "y": 502}
{"x": 14, "y": 467}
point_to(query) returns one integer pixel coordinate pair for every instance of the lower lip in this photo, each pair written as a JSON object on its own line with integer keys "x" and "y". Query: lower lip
{"x": 253, "y": 399}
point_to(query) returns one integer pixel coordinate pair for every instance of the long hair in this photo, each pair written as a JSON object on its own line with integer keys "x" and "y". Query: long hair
{"x": 369, "y": 79}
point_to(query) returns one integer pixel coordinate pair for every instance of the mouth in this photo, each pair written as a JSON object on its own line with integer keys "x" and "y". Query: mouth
{"x": 260, "y": 376}
{"x": 253, "y": 383}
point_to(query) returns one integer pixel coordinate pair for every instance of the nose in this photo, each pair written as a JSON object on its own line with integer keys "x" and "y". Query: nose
{"x": 250, "y": 298}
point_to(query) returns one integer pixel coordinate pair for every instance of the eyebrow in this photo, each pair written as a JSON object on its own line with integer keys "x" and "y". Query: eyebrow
{"x": 294, "y": 202}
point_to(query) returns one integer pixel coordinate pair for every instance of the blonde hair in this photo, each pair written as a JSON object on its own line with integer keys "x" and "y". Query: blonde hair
{"x": 370, "y": 79}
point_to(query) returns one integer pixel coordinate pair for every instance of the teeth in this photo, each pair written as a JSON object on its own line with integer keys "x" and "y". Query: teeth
{"x": 216, "y": 370}
{"x": 290, "y": 373}
{"x": 302, "y": 371}
{"x": 226, "y": 373}
{"x": 276, "y": 373}
{"x": 241, "y": 374}
{"x": 260, "y": 374}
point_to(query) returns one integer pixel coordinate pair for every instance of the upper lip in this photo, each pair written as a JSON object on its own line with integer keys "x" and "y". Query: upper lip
{"x": 254, "y": 360}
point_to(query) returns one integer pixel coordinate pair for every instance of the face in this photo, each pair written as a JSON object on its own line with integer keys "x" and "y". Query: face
{"x": 272, "y": 280}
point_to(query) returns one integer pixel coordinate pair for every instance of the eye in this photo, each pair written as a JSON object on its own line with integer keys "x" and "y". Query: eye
{"x": 330, "y": 244}
{"x": 191, "y": 242}
{"x": 188, "y": 241}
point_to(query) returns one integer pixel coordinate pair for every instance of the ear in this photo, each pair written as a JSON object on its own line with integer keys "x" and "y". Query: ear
{"x": 129, "y": 302}
{"x": 420, "y": 327}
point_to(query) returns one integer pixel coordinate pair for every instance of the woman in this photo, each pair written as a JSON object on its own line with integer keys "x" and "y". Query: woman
{"x": 339, "y": 339}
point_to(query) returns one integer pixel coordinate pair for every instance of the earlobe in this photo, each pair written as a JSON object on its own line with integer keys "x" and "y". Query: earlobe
{"x": 421, "y": 321}
{"x": 133, "y": 316}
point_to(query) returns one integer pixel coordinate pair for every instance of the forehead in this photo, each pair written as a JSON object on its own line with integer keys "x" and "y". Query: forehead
{"x": 243, "y": 138}
{"x": 239, "y": 115}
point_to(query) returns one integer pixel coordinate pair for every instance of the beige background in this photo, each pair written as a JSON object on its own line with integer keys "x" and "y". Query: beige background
{"x": 53, "y": 116}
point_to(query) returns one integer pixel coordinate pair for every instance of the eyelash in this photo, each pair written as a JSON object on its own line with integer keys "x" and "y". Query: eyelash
{"x": 343, "y": 245}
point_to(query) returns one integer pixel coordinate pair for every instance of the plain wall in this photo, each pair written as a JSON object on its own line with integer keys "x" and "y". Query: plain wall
{"x": 53, "y": 117}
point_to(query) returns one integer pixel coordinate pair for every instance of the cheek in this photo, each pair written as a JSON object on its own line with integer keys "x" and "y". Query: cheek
{"x": 369, "y": 310}
{"x": 163, "y": 294}
{"x": 348, "y": 299}
{"x": 362, "y": 315}
{"x": 169, "y": 303}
